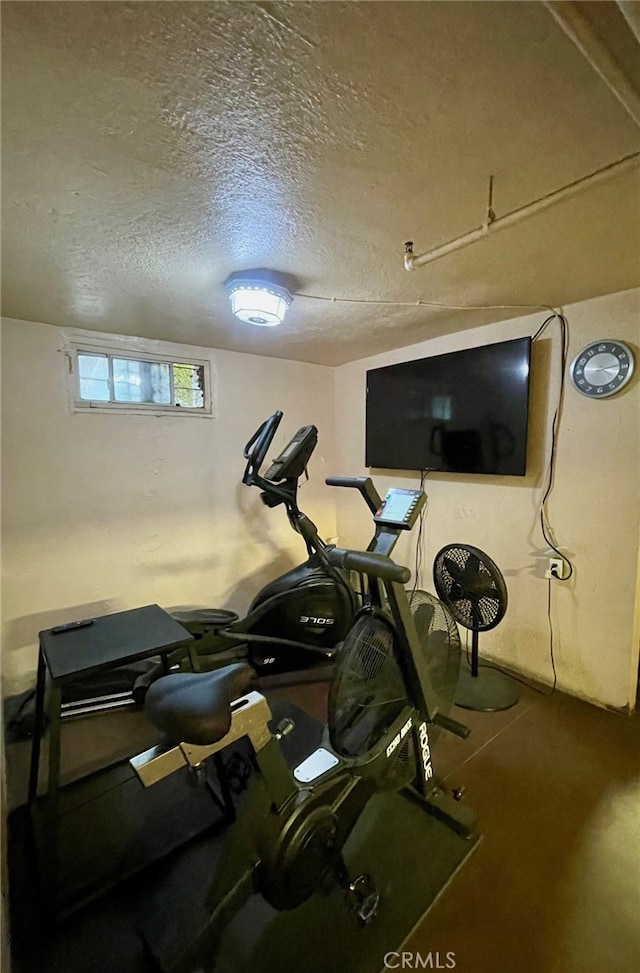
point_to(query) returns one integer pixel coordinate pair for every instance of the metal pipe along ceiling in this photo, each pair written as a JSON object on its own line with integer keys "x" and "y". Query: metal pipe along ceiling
{"x": 582, "y": 34}
{"x": 411, "y": 261}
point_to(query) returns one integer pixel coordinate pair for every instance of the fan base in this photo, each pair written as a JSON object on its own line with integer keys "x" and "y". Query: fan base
{"x": 487, "y": 692}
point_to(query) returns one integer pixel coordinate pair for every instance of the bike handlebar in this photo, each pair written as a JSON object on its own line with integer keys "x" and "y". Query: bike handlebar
{"x": 363, "y": 484}
{"x": 346, "y": 481}
{"x": 373, "y": 565}
{"x": 256, "y": 449}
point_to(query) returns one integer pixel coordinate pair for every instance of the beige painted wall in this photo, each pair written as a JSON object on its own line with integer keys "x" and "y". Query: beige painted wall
{"x": 107, "y": 512}
{"x": 594, "y": 507}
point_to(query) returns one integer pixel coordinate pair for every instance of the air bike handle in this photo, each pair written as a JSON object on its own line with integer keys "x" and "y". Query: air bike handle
{"x": 347, "y": 481}
{"x": 452, "y": 726}
{"x": 362, "y": 483}
{"x": 374, "y": 565}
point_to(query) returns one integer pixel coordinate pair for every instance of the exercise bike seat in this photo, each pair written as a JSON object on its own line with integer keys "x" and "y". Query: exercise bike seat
{"x": 195, "y": 707}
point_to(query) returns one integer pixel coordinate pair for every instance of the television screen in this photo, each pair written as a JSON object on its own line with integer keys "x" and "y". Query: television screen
{"x": 465, "y": 412}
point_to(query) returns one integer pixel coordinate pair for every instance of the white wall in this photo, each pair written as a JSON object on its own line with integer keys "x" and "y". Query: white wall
{"x": 594, "y": 507}
{"x": 107, "y": 512}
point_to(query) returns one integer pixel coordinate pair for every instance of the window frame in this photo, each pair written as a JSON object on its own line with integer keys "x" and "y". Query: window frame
{"x": 116, "y": 349}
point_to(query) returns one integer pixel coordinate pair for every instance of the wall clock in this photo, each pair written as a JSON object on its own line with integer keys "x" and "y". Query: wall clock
{"x": 602, "y": 368}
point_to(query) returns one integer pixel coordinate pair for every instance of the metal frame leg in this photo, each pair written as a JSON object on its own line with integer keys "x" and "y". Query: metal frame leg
{"x": 38, "y": 728}
{"x": 226, "y": 803}
{"x": 50, "y": 823}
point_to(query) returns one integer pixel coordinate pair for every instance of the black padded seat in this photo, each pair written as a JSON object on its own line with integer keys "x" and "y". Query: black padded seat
{"x": 195, "y": 707}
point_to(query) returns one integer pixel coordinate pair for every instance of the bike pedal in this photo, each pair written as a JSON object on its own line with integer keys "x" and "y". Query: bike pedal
{"x": 363, "y": 899}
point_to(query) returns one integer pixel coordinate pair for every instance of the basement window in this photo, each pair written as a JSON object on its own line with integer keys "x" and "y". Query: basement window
{"x": 109, "y": 380}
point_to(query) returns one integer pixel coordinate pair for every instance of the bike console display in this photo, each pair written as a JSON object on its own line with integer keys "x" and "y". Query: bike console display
{"x": 400, "y": 508}
{"x": 292, "y": 461}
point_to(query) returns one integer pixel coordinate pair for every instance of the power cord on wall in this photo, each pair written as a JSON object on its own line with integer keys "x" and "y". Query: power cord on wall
{"x": 525, "y": 682}
{"x": 547, "y": 530}
{"x": 420, "y": 538}
{"x": 545, "y": 524}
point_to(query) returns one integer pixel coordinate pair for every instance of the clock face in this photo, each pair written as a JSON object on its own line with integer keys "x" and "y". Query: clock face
{"x": 602, "y": 368}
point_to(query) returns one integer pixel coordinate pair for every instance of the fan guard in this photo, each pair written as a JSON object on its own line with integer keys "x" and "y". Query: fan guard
{"x": 439, "y": 637}
{"x": 471, "y": 584}
{"x": 368, "y": 691}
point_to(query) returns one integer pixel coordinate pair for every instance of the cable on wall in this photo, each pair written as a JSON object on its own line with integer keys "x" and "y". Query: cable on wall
{"x": 551, "y": 654}
{"x": 545, "y": 524}
{"x": 420, "y": 538}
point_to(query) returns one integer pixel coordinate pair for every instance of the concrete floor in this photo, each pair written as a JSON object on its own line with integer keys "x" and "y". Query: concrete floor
{"x": 554, "y": 885}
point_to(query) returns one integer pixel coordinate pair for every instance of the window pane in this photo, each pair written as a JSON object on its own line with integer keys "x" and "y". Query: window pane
{"x": 94, "y": 390}
{"x": 93, "y": 371}
{"x": 188, "y": 385}
{"x": 107, "y": 378}
{"x": 141, "y": 381}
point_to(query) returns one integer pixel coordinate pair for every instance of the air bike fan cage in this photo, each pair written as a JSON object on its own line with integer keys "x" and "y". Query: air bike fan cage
{"x": 368, "y": 693}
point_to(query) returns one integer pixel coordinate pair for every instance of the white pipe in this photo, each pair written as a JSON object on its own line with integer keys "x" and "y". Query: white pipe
{"x": 579, "y": 30}
{"x": 630, "y": 10}
{"x": 411, "y": 260}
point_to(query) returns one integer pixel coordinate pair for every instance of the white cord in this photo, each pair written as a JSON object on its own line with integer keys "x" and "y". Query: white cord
{"x": 449, "y": 307}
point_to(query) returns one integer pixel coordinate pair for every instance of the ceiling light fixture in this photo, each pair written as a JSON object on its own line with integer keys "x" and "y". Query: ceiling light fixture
{"x": 258, "y": 297}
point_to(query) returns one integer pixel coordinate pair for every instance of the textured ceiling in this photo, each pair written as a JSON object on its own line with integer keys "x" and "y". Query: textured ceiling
{"x": 150, "y": 149}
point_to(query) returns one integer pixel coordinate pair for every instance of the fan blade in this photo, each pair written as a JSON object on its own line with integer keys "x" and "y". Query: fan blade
{"x": 471, "y": 571}
{"x": 484, "y": 608}
{"x": 483, "y": 586}
{"x": 455, "y": 570}
{"x": 477, "y": 579}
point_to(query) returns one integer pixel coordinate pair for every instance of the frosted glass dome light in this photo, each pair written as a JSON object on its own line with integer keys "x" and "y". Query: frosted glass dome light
{"x": 256, "y": 301}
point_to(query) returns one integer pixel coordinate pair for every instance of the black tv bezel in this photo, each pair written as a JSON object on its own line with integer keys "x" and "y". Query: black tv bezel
{"x": 527, "y": 341}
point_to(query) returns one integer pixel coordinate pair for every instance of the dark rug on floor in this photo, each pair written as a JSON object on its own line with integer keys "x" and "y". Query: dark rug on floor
{"x": 112, "y": 824}
{"x": 142, "y": 924}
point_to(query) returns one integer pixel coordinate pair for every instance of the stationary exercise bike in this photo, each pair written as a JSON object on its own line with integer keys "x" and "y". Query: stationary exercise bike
{"x": 390, "y": 692}
{"x": 297, "y": 620}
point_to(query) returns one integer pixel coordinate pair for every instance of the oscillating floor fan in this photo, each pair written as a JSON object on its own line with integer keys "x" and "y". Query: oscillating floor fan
{"x": 368, "y": 692}
{"x": 472, "y": 586}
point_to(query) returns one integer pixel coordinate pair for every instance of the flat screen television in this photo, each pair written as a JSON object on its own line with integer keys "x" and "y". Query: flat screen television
{"x": 464, "y": 412}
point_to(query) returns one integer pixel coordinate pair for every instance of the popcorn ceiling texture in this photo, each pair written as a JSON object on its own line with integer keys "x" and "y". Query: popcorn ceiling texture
{"x": 150, "y": 149}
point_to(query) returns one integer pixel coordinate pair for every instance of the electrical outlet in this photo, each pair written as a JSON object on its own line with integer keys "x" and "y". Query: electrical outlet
{"x": 556, "y": 568}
